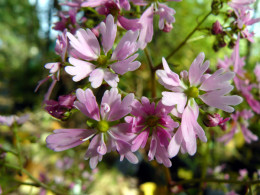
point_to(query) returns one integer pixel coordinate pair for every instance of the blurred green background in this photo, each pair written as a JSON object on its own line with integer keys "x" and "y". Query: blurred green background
{"x": 27, "y": 42}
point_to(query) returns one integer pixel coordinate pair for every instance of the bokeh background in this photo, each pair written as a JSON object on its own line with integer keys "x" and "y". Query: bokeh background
{"x": 27, "y": 43}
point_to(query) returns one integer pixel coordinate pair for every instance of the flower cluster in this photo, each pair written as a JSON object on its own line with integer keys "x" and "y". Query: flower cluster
{"x": 161, "y": 126}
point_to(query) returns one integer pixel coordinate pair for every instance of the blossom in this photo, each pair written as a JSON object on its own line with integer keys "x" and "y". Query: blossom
{"x": 240, "y": 4}
{"x": 106, "y": 7}
{"x": 149, "y": 119}
{"x": 165, "y": 22}
{"x": 97, "y": 3}
{"x": 243, "y": 20}
{"x": 214, "y": 87}
{"x": 13, "y": 119}
{"x": 240, "y": 121}
{"x": 87, "y": 58}
{"x": 104, "y": 128}
{"x": 211, "y": 89}
{"x": 68, "y": 20}
{"x": 241, "y": 82}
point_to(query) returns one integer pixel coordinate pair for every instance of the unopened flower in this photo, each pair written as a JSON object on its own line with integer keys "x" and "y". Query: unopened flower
{"x": 216, "y": 28}
{"x": 104, "y": 128}
{"x": 213, "y": 120}
{"x": 58, "y": 108}
{"x": 150, "y": 120}
{"x": 88, "y": 60}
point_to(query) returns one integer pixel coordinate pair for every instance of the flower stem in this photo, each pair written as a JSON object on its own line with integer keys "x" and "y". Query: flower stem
{"x": 37, "y": 182}
{"x": 159, "y": 66}
{"x": 152, "y": 71}
{"x": 18, "y": 145}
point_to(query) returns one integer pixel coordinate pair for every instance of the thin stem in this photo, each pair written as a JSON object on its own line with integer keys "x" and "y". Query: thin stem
{"x": 152, "y": 71}
{"x": 159, "y": 66}
{"x": 212, "y": 180}
{"x": 7, "y": 150}
{"x": 18, "y": 145}
{"x": 168, "y": 176}
{"x": 37, "y": 182}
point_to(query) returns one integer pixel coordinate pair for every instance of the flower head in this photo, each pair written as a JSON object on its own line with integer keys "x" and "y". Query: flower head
{"x": 211, "y": 89}
{"x": 154, "y": 121}
{"x": 104, "y": 128}
{"x": 88, "y": 60}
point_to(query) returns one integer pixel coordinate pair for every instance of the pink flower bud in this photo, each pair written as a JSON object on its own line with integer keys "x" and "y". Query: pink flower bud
{"x": 216, "y": 28}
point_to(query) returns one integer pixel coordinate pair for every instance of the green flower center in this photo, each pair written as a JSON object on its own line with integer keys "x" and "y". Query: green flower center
{"x": 152, "y": 121}
{"x": 102, "y": 60}
{"x": 103, "y": 126}
{"x": 192, "y": 92}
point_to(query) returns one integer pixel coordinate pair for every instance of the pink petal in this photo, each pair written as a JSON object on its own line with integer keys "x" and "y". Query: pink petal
{"x": 218, "y": 80}
{"x": 197, "y": 69}
{"x": 218, "y": 99}
{"x": 140, "y": 141}
{"x": 64, "y": 139}
{"x": 80, "y": 69}
{"x": 175, "y": 143}
{"x": 121, "y": 67}
{"x": 129, "y": 24}
{"x": 172, "y": 98}
{"x": 87, "y": 103}
{"x": 111, "y": 78}
{"x": 96, "y": 77}
{"x": 108, "y": 31}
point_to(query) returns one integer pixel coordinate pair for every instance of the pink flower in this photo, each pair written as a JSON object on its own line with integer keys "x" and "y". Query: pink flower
{"x": 68, "y": 20}
{"x": 165, "y": 22}
{"x": 87, "y": 59}
{"x": 243, "y": 20}
{"x": 13, "y": 119}
{"x": 240, "y": 121}
{"x": 61, "y": 46}
{"x": 240, "y": 4}
{"x": 97, "y": 3}
{"x": 107, "y": 7}
{"x": 73, "y": 3}
{"x": 104, "y": 128}
{"x": 214, "y": 87}
{"x": 211, "y": 89}
{"x": 152, "y": 120}
{"x": 241, "y": 82}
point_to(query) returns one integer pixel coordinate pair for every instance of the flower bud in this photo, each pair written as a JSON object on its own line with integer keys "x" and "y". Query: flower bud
{"x": 216, "y": 28}
{"x": 167, "y": 27}
{"x": 67, "y": 101}
{"x": 213, "y": 120}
